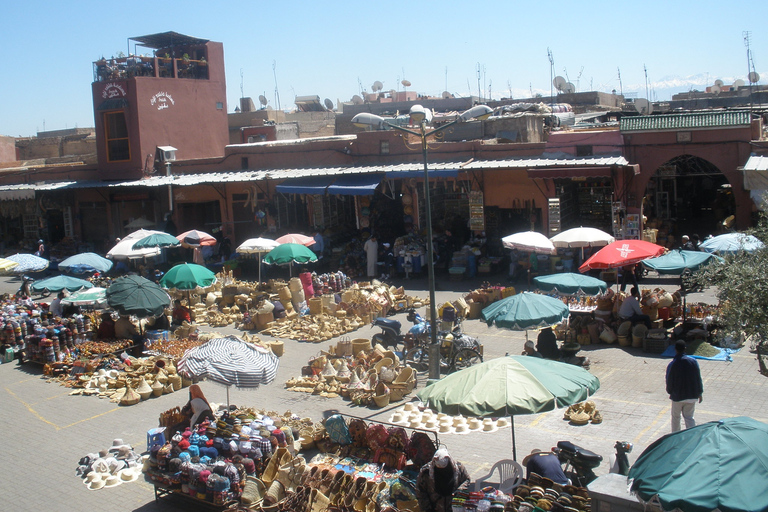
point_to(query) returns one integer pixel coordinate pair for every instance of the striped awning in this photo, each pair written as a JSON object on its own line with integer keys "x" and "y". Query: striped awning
{"x": 230, "y": 361}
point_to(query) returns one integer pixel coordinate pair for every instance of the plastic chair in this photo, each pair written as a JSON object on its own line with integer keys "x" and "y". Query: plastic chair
{"x": 155, "y": 436}
{"x": 510, "y": 476}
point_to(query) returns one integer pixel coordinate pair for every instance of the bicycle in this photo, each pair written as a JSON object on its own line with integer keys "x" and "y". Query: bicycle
{"x": 457, "y": 351}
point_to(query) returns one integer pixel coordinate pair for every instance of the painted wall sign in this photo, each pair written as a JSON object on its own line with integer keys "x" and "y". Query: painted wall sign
{"x": 113, "y": 90}
{"x": 162, "y": 100}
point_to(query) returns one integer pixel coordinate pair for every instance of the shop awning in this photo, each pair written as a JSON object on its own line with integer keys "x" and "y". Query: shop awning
{"x": 355, "y": 184}
{"x": 433, "y": 173}
{"x": 307, "y": 185}
{"x": 571, "y": 172}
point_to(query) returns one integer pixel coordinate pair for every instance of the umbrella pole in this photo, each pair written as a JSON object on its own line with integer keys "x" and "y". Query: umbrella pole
{"x": 227, "y": 398}
{"x": 514, "y": 445}
{"x": 259, "y": 267}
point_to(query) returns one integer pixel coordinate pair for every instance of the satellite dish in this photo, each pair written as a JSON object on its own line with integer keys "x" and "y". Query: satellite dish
{"x": 406, "y": 83}
{"x": 753, "y": 77}
{"x": 738, "y": 83}
{"x": 719, "y": 83}
{"x": 357, "y": 100}
{"x": 715, "y": 89}
{"x": 263, "y": 100}
{"x": 559, "y": 83}
{"x": 377, "y": 86}
{"x": 328, "y": 104}
{"x": 446, "y": 95}
{"x": 569, "y": 88}
{"x": 643, "y": 106}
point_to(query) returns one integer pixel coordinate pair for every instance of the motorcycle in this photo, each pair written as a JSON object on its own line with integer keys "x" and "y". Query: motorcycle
{"x": 25, "y": 289}
{"x": 579, "y": 463}
{"x": 391, "y": 336}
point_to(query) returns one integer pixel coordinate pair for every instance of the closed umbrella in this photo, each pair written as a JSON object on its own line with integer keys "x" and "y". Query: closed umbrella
{"x": 296, "y": 238}
{"x": 569, "y": 283}
{"x": 95, "y": 296}
{"x": 731, "y": 243}
{"x": 230, "y": 361}
{"x": 678, "y": 260}
{"x": 188, "y": 276}
{"x": 525, "y": 311}
{"x": 156, "y": 240}
{"x": 134, "y": 295}
{"x": 289, "y": 254}
{"x": 58, "y": 283}
{"x": 621, "y": 253}
{"x": 510, "y": 386}
{"x": 582, "y": 237}
{"x": 257, "y": 246}
{"x": 720, "y": 465}
{"x": 195, "y": 238}
{"x": 27, "y": 263}
{"x": 85, "y": 262}
{"x": 529, "y": 241}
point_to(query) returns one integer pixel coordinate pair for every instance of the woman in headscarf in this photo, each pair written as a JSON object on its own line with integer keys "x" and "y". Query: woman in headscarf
{"x": 438, "y": 480}
{"x": 198, "y": 407}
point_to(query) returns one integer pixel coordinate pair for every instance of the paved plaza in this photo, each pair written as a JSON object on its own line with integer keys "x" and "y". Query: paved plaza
{"x": 46, "y": 431}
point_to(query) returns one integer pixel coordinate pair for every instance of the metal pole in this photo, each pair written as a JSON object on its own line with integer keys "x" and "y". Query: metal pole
{"x": 170, "y": 191}
{"x": 434, "y": 348}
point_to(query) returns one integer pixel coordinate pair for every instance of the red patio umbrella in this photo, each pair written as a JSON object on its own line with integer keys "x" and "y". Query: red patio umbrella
{"x": 296, "y": 238}
{"x": 621, "y": 253}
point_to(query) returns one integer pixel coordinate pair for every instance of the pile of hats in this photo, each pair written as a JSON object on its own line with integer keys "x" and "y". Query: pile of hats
{"x": 582, "y": 413}
{"x": 415, "y": 415}
{"x": 313, "y": 328}
{"x": 543, "y": 494}
{"x": 110, "y": 467}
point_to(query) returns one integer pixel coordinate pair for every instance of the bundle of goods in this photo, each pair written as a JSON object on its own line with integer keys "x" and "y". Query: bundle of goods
{"x": 314, "y": 329}
{"x": 481, "y": 297}
{"x": 332, "y": 282}
{"x": 372, "y": 377}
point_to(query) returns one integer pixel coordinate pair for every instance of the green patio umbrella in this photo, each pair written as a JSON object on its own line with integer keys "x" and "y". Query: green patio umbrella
{"x": 156, "y": 240}
{"x": 720, "y": 465}
{"x": 57, "y": 283}
{"x": 676, "y": 261}
{"x": 188, "y": 276}
{"x": 290, "y": 254}
{"x": 570, "y": 283}
{"x": 510, "y": 386}
{"x": 134, "y": 295}
{"x": 525, "y": 311}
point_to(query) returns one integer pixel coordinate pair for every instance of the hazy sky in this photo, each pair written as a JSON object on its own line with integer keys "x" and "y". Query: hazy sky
{"x": 336, "y": 48}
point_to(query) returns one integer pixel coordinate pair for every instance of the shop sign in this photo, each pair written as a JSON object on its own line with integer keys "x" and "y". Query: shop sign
{"x": 667, "y": 170}
{"x": 476, "y": 211}
{"x": 113, "y": 90}
{"x": 162, "y": 100}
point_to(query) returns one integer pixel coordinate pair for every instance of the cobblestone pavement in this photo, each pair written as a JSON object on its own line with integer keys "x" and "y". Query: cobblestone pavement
{"x": 46, "y": 431}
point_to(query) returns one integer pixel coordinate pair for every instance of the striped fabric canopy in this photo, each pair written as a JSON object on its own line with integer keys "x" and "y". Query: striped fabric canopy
{"x": 230, "y": 361}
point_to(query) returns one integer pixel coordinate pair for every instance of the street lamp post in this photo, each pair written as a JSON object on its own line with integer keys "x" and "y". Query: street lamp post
{"x": 422, "y": 116}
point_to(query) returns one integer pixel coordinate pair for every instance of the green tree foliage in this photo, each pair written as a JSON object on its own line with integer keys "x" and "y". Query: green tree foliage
{"x": 742, "y": 289}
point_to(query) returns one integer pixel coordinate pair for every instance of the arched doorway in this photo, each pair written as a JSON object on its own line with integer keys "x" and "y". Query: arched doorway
{"x": 688, "y": 195}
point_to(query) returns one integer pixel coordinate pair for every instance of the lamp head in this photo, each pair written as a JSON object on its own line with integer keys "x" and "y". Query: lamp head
{"x": 366, "y": 120}
{"x": 480, "y": 112}
{"x": 420, "y": 114}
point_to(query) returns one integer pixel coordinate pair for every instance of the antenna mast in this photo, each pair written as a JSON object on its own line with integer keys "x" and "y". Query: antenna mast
{"x": 621, "y": 88}
{"x": 242, "y": 94}
{"x": 645, "y": 70}
{"x": 479, "y": 97}
{"x": 551, "y": 77}
{"x": 446, "y": 78}
{"x": 277, "y": 92}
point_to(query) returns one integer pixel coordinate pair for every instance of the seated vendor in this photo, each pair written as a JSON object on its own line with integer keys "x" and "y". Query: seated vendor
{"x": 126, "y": 330}
{"x": 630, "y": 309}
{"x": 106, "y": 327}
{"x": 530, "y": 349}
{"x": 545, "y": 464}
{"x": 198, "y": 408}
{"x": 180, "y": 313}
{"x": 159, "y": 323}
{"x": 546, "y": 344}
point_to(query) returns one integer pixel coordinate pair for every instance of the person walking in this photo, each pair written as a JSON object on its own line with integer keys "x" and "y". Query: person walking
{"x": 684, "y": 386}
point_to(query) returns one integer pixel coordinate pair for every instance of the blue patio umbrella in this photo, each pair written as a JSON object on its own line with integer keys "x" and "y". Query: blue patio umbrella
{"x": 58, "y": 283}
{"x": 85, "y": 262}
{"x": 28, "y": 263}
{"x": 569, "y": 283}
{"x": 676, "y": 261}
{"x": 731, "y": 243}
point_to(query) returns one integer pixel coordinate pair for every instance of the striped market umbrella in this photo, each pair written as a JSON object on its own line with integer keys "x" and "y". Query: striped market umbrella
{"x": 6, "y": 265}
{"x": 195, "y": 238}
{"x": 28, "y": 263}
{"x": 230, "y": 361}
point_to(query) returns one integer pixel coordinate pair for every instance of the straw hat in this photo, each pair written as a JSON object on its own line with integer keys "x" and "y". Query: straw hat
{"x": 129, "y": 474}
{"x": 398, "y": 417}
{"x": 430, "y": 423}
{"x": 475, "y": 424}
{"x": 461, "y": 429}
{"x": 502, "y": 422}
{"x": 489, "y": 425}
{"x": 414, "y": 422}
{"x": 410, "y": 406}
{"x": 459, "y": 420}
{"x": 580, "y": 418}
{"x": 112, "y": 481}
{"x": 441, "y": 416}
{"x": 446, "y": 427}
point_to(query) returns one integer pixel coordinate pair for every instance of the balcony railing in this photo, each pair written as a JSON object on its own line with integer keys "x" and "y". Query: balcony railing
{"x": 159, "y": 67}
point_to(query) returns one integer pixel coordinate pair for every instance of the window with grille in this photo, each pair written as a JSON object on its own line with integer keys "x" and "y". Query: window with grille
{"x": 116, "y": 134}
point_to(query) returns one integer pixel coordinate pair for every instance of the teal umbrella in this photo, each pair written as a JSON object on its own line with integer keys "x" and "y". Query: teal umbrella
{"x": 720, "y": 465}
{"x": 188, "y": 276}
{"x": 57, "y": 283}
{"x": 156, "y": 240}
{"x": 676, "y": 261}
{"x": 134, "y": 295}
{"x": 569, "y": 283}
{"x": 85, "y": 262}
{"x": 510, "y": 386}
{"x": 525, "y": 311}
{"x": 95, "y": 296}
{"x": 732, "y": 243}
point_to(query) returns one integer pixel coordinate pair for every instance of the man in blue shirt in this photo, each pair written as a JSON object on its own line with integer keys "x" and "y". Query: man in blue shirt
{"x": 684, "y": 386}
{"x": 545, "y": 464}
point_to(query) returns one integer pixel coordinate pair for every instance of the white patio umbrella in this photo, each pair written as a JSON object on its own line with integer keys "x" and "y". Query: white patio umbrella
{"x": 582, "y": 237}
{"x": 257, "y": 246}
{"x": 529, "y": 241}
{"x": 124, "y": 249}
